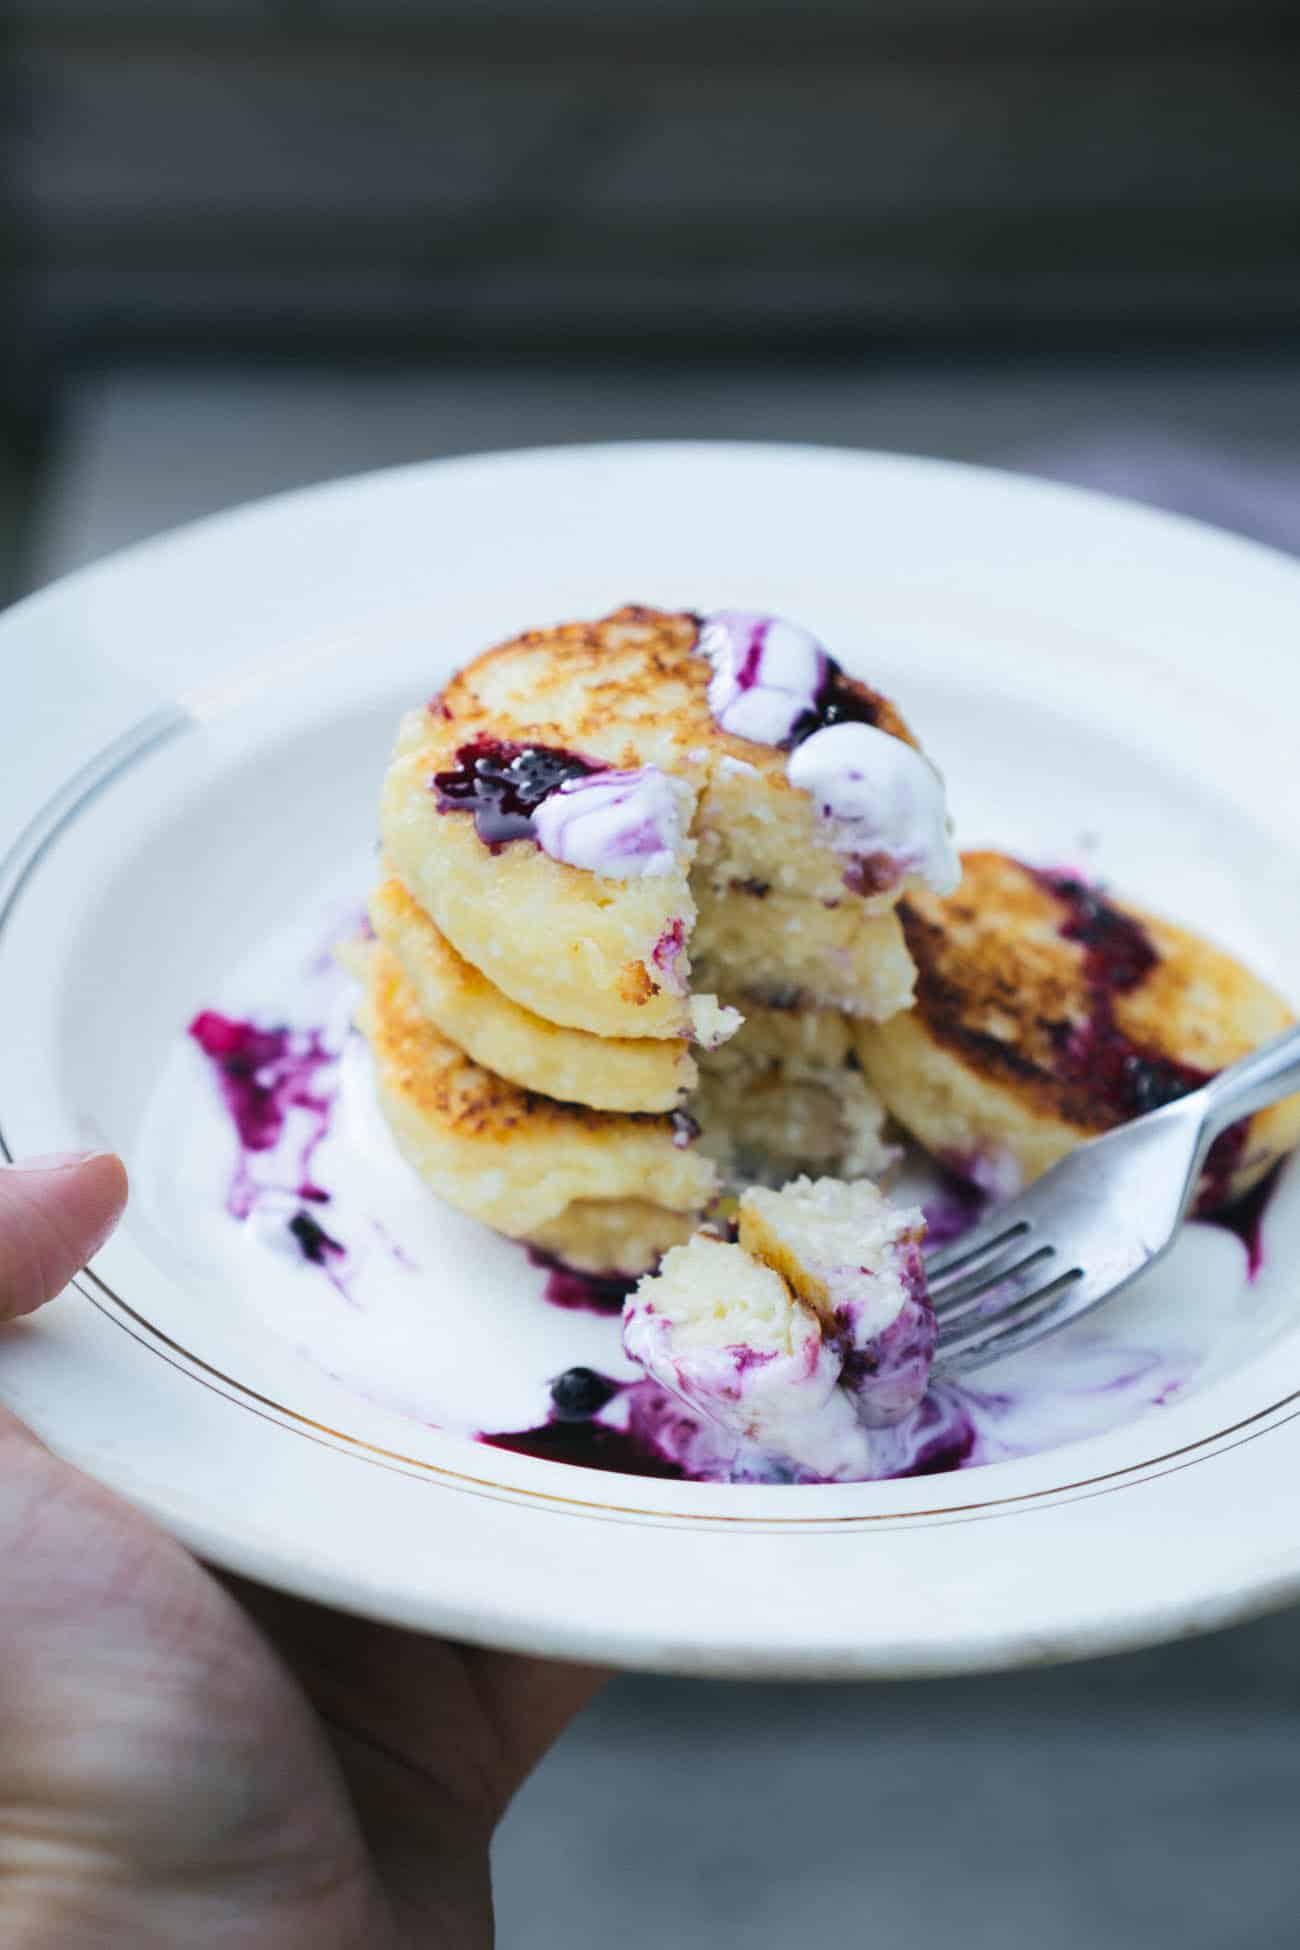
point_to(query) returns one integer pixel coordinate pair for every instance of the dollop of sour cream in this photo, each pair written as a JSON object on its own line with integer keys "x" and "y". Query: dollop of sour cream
{"x": 767, "y": 674}
{"x": 620, "y": 824}
{"x": 880, "y": 799}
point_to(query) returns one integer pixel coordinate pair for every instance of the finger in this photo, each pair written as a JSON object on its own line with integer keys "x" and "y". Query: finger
{"x": 55, "y": 1214}
{"x": 474, "y": 1722}
{"x": 530, "y": 1702}
{"x": 432, "y": 1852}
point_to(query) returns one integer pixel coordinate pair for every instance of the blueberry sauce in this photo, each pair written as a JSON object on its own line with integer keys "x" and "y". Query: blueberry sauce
{"x": 685, "y": 1128}
{"x": 639, "y": 1429}
{"x": 591, "y": 1445}
{"x": 265, "y": 1075}
{"x": 635, "y": 1427}
{"x": 746, "y": 1359}
{"x": 774, "y": 683}
{"x": 839, "y": 701}
{"x": 667, "y": 953}
{"x": 958, "y": 1205}
{"x": 942, "y": 1434}
{"x": 767, "y": 674}
{"x": 314, "y": 1243}
{"x": 872, "y": 873}
{"x": 1245, "y": 1217}
{"x": 503, "y": 784}
{"x": 1124, "y": 1078}
{"x": 580, "y": 1393}
{"x": 1121, "y": 953}
{"x": 592, "y": 1293}
{"x": 888, "y": 1376}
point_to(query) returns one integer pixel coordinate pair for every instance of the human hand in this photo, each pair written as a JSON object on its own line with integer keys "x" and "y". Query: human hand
{"x": 191, "y": 1762}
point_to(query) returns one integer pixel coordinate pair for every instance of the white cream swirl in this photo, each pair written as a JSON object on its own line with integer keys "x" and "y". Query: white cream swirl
{"x": 620, "y": 824}
{"x": 767, "y": 674}
{"x": 880, "y": 799}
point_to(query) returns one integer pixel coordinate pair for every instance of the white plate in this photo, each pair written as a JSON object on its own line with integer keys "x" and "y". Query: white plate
{"x": 192, "y": 743}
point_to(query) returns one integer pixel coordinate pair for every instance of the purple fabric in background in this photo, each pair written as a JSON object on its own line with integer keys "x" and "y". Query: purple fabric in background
{"x": 1260, "y": 499}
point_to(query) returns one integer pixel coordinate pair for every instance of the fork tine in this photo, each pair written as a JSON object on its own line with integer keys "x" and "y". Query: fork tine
{"x": 1018, "y": 1326}
{"x": 974, "y": 1292}
{"x": 994, "y": 1234}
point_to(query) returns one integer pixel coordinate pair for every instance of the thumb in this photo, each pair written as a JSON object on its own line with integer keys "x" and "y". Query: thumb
{"x": 54, "y": 1214}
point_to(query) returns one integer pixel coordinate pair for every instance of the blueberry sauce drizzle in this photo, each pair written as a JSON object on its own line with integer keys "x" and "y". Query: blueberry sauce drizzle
{"x": 889, "y": 1375}
{"x": 653, "y": 1436}
{"x": 592, "y": 1293}
{"x": 942, "y": 1434}
{"x": 958, "y": 1205}
{"x": 503, "y": 784}
{"x": 590, "y": 1445}
{"x": 570, "y": 1433}
{"x": 1127, "y": 1079}
{"x": 314, "y": 1243}
{"x": 265, "y": 1075}
{"x": 267, "y": 1079}
{"x": 839, "y": 701}
{"x": 668, "y": 951}
{"x": 1245, "y": 1218}
{"x": 640, "y": 1443}
{"x": 836, "y": 699}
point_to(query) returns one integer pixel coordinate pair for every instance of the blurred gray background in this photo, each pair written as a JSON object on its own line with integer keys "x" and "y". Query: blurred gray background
{"x": 246, "y": 244}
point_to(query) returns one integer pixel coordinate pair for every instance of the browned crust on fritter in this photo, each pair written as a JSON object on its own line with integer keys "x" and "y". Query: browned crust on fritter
{"x": 996, "y": 983}
{"x": 635, "y": 985}
{"x": 1001, "y": 987}
{"x": 635, "y": 663}
{"x": 437, "y": 1078}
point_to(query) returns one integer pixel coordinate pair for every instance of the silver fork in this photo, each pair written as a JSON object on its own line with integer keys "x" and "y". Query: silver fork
{"x": 1094, "y": 1221}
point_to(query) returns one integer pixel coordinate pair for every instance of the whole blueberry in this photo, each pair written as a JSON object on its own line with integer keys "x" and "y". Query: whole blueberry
{"x": 580, "y": 1393}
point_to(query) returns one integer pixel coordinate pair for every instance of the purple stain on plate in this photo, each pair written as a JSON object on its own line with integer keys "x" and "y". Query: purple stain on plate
{"x": 265, "y": 1076}
{"x": 1245, "y": 1218}
{"x": 940, "y": 1435}
{"x": 393, "y": 1247}
{"x": 578, "y": 1292}
{"x": 314, "y": 1243}
{"x": 955, "y": 1208}
{"x": 588, "y": 1445}
{"x": 651, "y": 1435}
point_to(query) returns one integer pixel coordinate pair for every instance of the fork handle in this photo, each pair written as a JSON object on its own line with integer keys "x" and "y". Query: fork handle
{"x": 1268, "y": 1074}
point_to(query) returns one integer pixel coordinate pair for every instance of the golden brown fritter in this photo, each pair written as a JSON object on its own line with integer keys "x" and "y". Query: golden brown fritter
{"x": 588, "y": 951}
{"x": 608, "y": 1072}
{"x": 510, "y": 1157}
{"x": 1046, "y": 1013}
